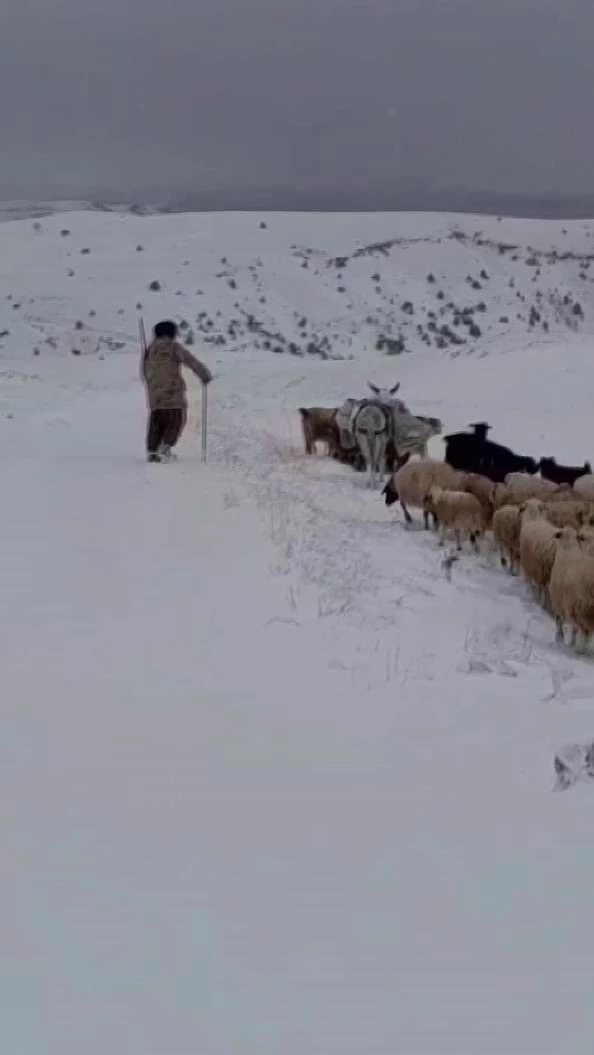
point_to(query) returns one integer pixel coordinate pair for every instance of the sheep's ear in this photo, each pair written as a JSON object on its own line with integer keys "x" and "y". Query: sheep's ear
{"x": 394, "y": 390}
{"x": 374, "y": 388}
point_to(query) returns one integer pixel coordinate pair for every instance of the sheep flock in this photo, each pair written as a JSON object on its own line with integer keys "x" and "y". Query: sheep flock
{"x": 537, "y": 516}
{"x": 542, "y": 529}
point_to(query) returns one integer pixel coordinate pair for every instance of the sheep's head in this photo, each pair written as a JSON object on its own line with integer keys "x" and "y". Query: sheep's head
{"x": 390, "y": 492}
{"x": 566, "y": 538}
{"x": 533, "y": 509}
{"x": 431, "y": 497}
{"x": 585, "y": 539}
{"x": 585, "y": 517}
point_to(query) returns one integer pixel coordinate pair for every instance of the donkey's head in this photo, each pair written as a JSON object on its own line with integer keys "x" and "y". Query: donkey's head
{"x": 384, "y": 393}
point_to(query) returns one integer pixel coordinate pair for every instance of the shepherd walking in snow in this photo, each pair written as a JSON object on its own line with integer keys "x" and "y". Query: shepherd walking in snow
{"x": 161, "y": 371}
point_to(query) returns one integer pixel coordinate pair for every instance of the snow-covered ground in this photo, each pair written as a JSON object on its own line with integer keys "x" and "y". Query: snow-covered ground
{"x": 270, "y": 782}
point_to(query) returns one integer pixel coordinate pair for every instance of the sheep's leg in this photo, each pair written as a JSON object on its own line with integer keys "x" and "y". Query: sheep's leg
{"x": 407, "y": 517}
{"x": 474, "y": 540}
{"x": 442, "y": 534}
{"x": 582, "y": 646}
{"x": 559, "y": 635}
{"x": 458, "y": 538}
{"x": 573, "y": 640}
{"x": 426, "y": 519}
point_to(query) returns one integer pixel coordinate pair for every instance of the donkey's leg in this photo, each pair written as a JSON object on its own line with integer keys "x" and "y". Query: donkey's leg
{"x": 383, "y": 458}
{"x": 377, "y": 457}
{"x": 373, "y": 459}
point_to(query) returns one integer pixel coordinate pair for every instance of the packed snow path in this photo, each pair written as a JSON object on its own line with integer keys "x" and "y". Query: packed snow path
{"x": 270, "y": 782}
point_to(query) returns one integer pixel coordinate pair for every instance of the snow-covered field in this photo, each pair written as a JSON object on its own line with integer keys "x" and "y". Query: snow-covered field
{"x": 269, "y": 782}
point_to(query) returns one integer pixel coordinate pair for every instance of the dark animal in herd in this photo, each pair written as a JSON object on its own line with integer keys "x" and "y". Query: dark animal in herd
{"x": 472, "y": 452}
{"x": 563, "y": 474}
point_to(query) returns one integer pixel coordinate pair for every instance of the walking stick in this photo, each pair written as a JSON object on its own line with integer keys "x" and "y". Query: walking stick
{"x": 142, "y": 344}
{"x": 204, "y": 412}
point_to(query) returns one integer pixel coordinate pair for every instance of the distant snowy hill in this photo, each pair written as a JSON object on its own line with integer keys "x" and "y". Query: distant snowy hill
{"x": 329, "y": 287}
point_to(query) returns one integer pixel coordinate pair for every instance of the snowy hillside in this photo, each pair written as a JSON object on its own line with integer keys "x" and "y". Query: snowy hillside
{"x": 325, "y": 287}
{"x": 270, "y": 781}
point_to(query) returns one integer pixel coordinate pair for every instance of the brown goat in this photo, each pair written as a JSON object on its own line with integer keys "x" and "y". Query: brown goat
{"x": 319, "y": 424}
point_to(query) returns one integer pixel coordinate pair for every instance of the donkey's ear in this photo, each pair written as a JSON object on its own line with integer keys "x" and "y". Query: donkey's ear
{"x": 394, "y": 390}
{"x": 374, "y": 388}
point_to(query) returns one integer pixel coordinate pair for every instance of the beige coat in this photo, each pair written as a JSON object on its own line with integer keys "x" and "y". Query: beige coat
{"x": 161, "y": 370}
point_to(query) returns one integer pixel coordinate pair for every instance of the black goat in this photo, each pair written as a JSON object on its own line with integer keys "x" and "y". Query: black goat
{"x": 472, "y": 452}
{"x": 464, "y": 450}
{"x": 562, "y": 474}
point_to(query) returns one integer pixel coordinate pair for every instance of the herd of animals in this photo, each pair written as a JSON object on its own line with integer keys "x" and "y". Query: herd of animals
{"x": 540, "y": 513}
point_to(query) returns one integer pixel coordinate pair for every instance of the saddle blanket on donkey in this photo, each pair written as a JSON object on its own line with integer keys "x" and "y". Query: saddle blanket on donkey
{"x": 406, "y": 430}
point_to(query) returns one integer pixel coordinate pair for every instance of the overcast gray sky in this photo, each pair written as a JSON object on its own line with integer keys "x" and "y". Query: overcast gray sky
{"x": 142, "y": 96}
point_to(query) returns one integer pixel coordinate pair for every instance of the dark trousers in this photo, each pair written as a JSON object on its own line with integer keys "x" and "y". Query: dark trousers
{"x": 164, "y": 426}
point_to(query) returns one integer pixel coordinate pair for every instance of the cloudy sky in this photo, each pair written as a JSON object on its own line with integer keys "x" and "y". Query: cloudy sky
{"x": 143, "y": 96}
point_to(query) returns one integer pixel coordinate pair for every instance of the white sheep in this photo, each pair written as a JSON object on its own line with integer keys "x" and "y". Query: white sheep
{"x": 506, "y": 531}
{"x": 584, "y": 487}
{"x": 458, "y": 511}
{"x": 571, "y": 587}
{"x": 519, "y": 487}
{"x": 585, "y": 537}
{"x": 537, "y": 546}
{"x": 483, "y": 489}
{"x": 564, "y": 493}
{"x": 570, "y": 514}
{"x": 410, "y": 484}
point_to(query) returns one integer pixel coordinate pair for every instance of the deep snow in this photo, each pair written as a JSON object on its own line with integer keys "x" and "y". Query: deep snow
{"x": 270, "y": 782}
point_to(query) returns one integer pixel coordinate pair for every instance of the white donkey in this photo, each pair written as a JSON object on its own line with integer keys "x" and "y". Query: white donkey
{"x": 372, "y": 427}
